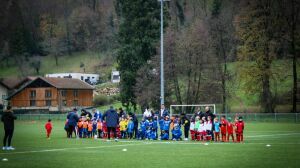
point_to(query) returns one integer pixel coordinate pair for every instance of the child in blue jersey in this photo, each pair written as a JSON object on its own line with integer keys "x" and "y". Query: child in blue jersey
{"x": 154, "y": 128}
{"x": 161, "y": 125}
{"x": 130, "y": 128}
{"x": 149, "y": 125}
{"x": 166, "y": 125}
{"x": 176, "y": 132}
{"x": 217, "y": 129}
{"x": 164, "y": 135}
{"x": 152, "y": 135}
{"x": 94, "y": 131}
{"x": 142, "y": 130}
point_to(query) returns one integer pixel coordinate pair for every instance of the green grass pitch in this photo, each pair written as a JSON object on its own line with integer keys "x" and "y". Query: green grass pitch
{"x": 34, "y": 150}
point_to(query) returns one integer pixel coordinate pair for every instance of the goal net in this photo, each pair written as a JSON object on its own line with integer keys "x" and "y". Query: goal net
{"x": 190, "y": 109}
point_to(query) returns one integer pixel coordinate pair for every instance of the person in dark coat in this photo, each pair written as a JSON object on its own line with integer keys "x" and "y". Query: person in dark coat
{"x": 112, "y": 120}
{"x": 8, "y": 119}
{"x": 186, "y": 125}
{"x": 72, "y": 122}
{"x": 121, "y": 113}
{"x": 135, "y": 122}
{"x": 163, "y": 111}
{"x": 86, "y": 114}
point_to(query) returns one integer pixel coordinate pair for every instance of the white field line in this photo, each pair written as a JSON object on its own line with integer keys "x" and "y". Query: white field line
{"x": 65, "y": 149}
{"x": 269, "y": 131}
{"x": 271, "y": 135}
{"x": 155, "y": 142}
{"x": 221, "y": 143}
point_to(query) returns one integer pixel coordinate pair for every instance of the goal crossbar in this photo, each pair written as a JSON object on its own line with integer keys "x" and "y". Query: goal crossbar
{"x": 192, "y": 105}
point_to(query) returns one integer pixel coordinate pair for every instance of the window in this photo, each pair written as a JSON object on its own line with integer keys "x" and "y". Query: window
{"x": 63, "y": 93}
{"x": 75, "y": 103}
{"x": 3, "y": 96}
{"x": 48, "y": 93}
{"x": 32, "y": 94}
{"x": 75, "y": 93}
{"x": 48, "y": 102}
{"x": 64, "y": 102}
{"x": 32, "y": 103}
{"x": 116, "y": 77}
{"x": 81, "y": 77}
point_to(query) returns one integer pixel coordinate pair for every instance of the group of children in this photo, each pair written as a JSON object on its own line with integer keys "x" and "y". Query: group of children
{"x": 200, "y": 129}
{"x": 89, "y": 128}
{"x": 149, "y": 127}
{"x": 204, "y": 130}
{"x": 95, "y": 128}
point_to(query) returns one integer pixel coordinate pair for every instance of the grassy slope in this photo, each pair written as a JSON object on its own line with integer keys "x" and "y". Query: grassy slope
{"x": 240, "y": 100}
{"x": 65, "y": 64}
{"x": 30, "y": 136}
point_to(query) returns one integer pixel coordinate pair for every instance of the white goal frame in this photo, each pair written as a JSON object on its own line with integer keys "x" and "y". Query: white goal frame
{"x": 192, "y": 105}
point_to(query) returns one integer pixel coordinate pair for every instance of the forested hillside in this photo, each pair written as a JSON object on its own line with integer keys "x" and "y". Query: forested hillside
{"x": 240, "y": 54}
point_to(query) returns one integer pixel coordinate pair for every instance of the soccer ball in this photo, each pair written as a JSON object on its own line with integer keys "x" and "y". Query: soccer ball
{"x": 95, "y": 137}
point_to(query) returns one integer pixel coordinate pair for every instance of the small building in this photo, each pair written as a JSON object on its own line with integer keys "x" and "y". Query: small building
{"x": 89, "y": 78}
{"x": 53, "y": 94}
{"x": 10, "y": 85}
{"x": 115, "y": 77}
{"x": 3, "y": 94}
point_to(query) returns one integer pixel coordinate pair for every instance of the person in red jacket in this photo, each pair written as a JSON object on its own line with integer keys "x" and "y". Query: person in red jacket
{"x": 230, "y": 131}
{"x": 240, "y": 130}
{"x": 48, "y": 127}
{"x": 223, "y": 126}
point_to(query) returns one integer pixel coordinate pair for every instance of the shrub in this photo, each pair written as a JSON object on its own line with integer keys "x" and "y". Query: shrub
{"x": 101, "y": 100}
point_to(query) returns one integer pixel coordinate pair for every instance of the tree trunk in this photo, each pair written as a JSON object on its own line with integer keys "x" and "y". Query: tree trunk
{"x": 66, "y": 9}
{"x": 94, "y": 5}
{"x": 266, "y": 94}
{"x": 293, "y": 50}
{"x": 266, "y": 90}
{"x": 56, "y": 59}
{"x": 224, "y": 75}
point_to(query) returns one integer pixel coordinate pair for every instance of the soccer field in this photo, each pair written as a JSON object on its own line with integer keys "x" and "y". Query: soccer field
{"x": 34, "y": 150}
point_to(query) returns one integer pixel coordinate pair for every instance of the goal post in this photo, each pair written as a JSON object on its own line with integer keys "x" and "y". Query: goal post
{"x": 202, "y": 106}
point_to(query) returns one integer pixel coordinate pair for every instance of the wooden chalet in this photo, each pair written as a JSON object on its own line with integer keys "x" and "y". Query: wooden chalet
{"x": 53, "y": 94}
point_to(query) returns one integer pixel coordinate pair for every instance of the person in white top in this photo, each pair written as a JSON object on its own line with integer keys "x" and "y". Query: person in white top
{"x": 163, "y": 111}
{"x": 147, "y": 113}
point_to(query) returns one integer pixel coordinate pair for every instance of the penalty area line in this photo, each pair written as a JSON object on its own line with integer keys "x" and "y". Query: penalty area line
{"x": 65, "y": 149}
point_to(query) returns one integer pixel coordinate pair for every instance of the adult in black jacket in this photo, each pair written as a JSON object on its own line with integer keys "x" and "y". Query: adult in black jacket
{"x": 121, "y": 113}
{"x": 186, "y": 125}
{"x": 112, "y": 120}
{"x": 8, "y": 119}
{"x": 72, "y": 122}
{"x": 135, "y": 122}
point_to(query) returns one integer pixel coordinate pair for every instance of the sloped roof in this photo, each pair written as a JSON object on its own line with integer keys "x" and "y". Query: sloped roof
{"x": 67, "y": 83}
{"x": 59, "y": 83}
{"x": 14, "y": 82}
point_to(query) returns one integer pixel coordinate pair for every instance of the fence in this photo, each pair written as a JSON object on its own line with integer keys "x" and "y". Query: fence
{"x": 259, "y": 117}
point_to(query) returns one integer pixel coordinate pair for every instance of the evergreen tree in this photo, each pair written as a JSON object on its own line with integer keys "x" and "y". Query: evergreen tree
{"x": 138, "y": 35}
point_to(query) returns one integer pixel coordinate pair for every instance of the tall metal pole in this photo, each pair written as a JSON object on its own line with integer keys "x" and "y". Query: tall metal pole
{"x": 162, "y": 91}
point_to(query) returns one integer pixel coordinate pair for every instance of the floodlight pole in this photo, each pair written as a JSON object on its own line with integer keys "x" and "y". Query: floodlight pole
{"x": 162, "y": 91}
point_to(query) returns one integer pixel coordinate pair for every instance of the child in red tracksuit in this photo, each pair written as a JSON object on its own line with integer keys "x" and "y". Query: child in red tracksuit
{"x": 230, "y": 131}
{"x": 240, "y": 130}
{"x": 223, "y": 127}
{"x": 48, "y": 127}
